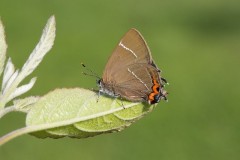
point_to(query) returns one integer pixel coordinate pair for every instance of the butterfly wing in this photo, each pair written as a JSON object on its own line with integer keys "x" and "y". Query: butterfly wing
{"x": 131, "y": 49}
{"x": 130, "y": 71}
{"x": 138, "y": 82}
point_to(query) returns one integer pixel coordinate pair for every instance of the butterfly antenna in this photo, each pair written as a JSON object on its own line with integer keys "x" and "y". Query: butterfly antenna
{"x": 91, "y": 73}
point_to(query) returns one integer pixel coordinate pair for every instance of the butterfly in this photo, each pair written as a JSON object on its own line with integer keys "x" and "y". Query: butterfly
{"x": 131, "y": 73}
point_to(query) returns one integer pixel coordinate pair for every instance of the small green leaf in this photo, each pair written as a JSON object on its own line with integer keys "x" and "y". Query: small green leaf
{"x": 3, "y": 47}
{"x": 76, "y": 113}
{"x": 25, "y": 104}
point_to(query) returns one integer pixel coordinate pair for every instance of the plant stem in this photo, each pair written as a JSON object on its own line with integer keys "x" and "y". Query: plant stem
{"x": 12, "y": 135}
{"x": 6, "y": 110}
{"x": 28, "y": 129}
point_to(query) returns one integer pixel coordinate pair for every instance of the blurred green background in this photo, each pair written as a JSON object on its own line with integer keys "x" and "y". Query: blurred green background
{"x": 195, "y": 43}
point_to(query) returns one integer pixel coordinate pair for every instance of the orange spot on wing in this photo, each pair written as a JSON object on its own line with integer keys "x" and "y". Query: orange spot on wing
{"x": 155, "y": 88}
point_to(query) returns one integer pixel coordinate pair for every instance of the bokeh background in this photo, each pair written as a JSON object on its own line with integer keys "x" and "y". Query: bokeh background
{"x": 195, "y": 43}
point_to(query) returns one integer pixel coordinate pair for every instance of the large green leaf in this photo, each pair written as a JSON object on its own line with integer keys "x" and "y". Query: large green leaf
{"x": 76, "y": 113}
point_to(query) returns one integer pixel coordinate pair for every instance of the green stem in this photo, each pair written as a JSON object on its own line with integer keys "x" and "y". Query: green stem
{"x": 12, "y": 135}
{"x": 28, "y": 129}
{"x": 6, "y": 110}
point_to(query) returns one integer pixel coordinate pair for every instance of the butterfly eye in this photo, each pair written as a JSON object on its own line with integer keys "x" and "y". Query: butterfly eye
{"x": 98, "y": 81}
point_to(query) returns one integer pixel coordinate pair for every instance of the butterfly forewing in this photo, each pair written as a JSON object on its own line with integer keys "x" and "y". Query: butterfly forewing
{"x": 131, "y": 49}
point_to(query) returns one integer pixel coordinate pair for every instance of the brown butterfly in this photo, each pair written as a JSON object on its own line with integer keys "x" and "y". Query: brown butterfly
{"x": 131, "y": 73}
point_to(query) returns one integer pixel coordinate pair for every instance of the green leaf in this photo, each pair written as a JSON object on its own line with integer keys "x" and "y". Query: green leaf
{"x": 3, "y": 47}
{"x": 25, "y": 104}
{"x": 76, "y": 113}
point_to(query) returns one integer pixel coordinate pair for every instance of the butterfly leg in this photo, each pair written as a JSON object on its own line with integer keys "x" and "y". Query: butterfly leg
{"x": 98, "y": 96}
{"x": 164, "y": 80}
{"x": 121, "y": 100}
{"x": 122, "y": 103}
{"x": 164, "y": 95}
{"x": 98, "y": 93}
